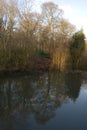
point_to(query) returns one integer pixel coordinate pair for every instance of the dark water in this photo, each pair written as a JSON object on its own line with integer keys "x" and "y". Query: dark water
{"x": 48, "y": 101}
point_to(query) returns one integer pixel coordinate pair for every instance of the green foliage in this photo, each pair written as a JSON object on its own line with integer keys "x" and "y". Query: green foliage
{"x": 77, "y": 48}
{"x": 44, "y": 55}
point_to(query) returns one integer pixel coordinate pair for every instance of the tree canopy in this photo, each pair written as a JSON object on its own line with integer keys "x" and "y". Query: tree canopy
{"x": 77, "y": 48}
{"x": 25, "y": 34}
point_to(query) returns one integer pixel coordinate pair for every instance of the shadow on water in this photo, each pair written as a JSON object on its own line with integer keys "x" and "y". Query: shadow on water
{"x": 73, "y": 83}
{"x": 35, "y": 98}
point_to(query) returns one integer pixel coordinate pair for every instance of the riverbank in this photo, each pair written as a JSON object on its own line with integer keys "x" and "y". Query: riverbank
{"x": 38, "y": 72}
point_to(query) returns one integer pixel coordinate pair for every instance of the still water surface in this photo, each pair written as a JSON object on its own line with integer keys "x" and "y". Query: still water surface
{"x": 49, "y": 101}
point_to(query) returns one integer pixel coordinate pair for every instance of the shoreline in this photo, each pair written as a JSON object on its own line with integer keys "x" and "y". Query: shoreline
{"x": 37, "y": 72}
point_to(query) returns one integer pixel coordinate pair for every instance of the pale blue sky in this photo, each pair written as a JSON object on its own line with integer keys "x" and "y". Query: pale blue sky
{"x": 74, "y": 10}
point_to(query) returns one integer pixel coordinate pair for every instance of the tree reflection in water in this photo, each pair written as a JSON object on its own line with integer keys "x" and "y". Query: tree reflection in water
{"x": 38, "y": 95}
{"x": 73, "y": 82}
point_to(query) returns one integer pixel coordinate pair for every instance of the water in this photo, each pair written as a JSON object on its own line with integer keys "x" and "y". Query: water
{"x": 46, "y": 101}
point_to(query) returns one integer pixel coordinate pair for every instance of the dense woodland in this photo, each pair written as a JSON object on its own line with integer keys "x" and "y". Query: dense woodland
{"x": 39, "y": 41}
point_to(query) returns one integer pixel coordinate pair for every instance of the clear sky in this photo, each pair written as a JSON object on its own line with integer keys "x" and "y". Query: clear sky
{"x": 74, "y": 10}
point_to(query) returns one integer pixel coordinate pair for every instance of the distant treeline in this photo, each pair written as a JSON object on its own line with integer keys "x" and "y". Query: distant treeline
{"x": 45, "y": 40}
